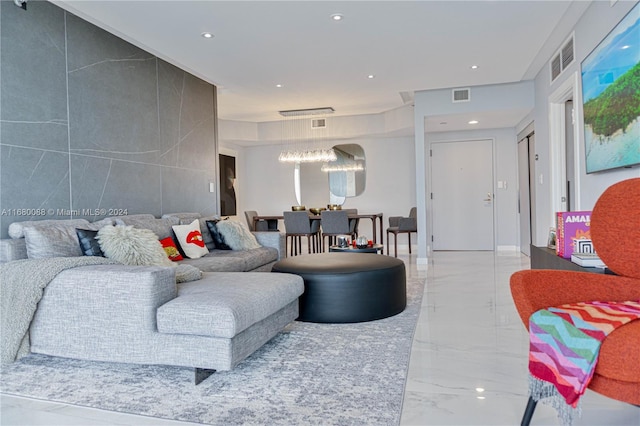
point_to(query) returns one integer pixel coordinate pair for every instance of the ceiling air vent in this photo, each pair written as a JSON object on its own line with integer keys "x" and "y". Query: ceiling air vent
{"x": 461, "y": 95}
{"x": 318, "y": 123}
{"x": 562, "y": 59}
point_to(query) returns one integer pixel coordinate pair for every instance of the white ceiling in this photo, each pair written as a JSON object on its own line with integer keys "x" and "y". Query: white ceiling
{"x": 408, "y": 46}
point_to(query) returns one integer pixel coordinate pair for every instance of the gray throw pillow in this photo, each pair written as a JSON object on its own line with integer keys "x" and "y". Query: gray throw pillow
{"x": 51, "y": 241}
{"x": 237, "y": 235}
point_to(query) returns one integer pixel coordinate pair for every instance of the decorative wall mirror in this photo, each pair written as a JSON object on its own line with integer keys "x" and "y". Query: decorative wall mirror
{"x": 319, "y": 184}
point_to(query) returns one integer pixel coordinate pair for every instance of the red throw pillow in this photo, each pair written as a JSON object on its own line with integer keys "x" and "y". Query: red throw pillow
{"x": 171, "y": 249}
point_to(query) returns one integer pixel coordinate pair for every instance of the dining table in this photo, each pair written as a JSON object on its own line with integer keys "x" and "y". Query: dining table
{"x": 374, "y": 217}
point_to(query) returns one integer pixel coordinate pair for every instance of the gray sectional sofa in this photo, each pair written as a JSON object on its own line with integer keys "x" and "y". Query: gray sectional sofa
{"x": 138, "y": 314}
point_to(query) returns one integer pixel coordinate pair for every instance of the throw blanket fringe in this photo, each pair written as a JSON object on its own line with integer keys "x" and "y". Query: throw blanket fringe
{"x": 547, "y": 393}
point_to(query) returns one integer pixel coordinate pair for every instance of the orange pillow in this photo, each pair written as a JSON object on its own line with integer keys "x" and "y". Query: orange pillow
{"x": 171, "y": 249}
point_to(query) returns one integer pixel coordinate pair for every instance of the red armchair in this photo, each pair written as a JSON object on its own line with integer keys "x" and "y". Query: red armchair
{"x": 615, "y": 232}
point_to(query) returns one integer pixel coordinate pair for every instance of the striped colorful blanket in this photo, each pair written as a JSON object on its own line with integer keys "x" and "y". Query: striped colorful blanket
{"x": 565, "y": 342}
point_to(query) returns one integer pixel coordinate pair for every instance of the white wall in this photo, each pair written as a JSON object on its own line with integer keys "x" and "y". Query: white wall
{"x": 266, "y": 185}
{"x": 593, "y": 26}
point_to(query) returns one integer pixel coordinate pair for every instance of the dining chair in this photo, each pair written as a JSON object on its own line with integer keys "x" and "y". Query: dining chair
{"x": 333, "y": 224}
{"x": 260, "y": 225}
{"x": 297, "y": 225}
{"x": 402, "y": 225}
{"x": 353, "y": 222}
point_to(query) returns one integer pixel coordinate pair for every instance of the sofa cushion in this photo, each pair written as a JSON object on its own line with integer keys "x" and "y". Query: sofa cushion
{"x": 237, "y": 235}
{"x": 132, "y": 246}
{"x": 190, "y": 239}
{"x": 255, "y": 258}
{"x": 225, "y": 304}
{"x": 161, "y": 227}
{"x": 218, "y": 261}
{"x": 16, "y": 229}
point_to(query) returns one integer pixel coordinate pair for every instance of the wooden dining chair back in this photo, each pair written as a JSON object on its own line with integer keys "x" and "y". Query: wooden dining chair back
{"x": 334, "y": 223}
{"x": 297, "y": 225}
{"x": 353, "y": 222}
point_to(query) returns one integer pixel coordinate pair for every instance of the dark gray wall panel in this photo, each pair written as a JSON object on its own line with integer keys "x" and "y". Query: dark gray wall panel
{"x": 136, "y": 187}
{"x": 33, "y": 85}
{"x": 186, "y": 111}
{"x": 113, "y": 102}
{"x": 187, "y": 190}
{"x": 130, "y": 113}
{"x": 89, "y": 177}
{"x": 35, "y": 185}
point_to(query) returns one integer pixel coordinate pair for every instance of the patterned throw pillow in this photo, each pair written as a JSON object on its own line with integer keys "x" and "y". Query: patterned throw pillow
{"x": 171, "y": 249}
{"x": 218, "y": 239}
{"x": 191, "y": 240}
{"x": 88, "y": 242}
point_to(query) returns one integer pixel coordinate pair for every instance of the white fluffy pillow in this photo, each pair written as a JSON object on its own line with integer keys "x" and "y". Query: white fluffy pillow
{"x": 237, "y": 235}
{"x": 132, "y": 246}
{"x": 190, "y": 239}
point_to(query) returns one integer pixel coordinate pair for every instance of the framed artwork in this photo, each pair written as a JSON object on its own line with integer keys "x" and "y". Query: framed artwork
{"x": 611, "y": 99}
{"x": 227, "y": 185}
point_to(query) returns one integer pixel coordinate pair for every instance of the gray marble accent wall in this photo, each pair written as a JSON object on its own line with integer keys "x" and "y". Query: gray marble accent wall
{"x": 89, "y": 122}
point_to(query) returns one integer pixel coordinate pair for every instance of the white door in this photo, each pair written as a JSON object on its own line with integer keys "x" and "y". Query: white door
{"x": 462, "y": 183}
{"x": 524, "y": 197}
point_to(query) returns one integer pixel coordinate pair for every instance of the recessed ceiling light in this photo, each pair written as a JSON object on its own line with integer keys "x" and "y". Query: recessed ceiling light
{"x": 370, "y": 76}
{"x": 278, "y": 85}
{"x": 206, "y": 35}
{"x": 474, "y": 67}
{"x": 337, "y": 17}
{"x": 473, "y": 122}
{"x": 479, "y": 389}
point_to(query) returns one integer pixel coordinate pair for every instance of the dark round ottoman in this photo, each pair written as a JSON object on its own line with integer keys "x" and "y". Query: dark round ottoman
{"x": 348, "y": 287}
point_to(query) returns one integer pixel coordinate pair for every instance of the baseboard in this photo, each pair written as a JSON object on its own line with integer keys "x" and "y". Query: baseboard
{"x": 507, "y": 248}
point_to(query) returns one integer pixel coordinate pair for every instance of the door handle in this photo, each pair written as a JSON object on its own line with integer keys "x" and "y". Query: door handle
{"x": 488, "y": 199}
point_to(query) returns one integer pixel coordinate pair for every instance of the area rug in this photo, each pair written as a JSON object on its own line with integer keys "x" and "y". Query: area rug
{"x": 323, "y": 374}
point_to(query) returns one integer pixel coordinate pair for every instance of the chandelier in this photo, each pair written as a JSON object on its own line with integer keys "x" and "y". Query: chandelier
{"x": 350, "y": 167}
{"x": 306, "y": 135}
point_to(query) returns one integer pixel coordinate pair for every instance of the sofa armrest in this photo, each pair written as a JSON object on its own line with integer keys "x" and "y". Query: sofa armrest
{"x": 92, "y": 309}
{"x": 272, "y": 239}
{"x": 12, "y": 249}
{"x": 537, "y": 289}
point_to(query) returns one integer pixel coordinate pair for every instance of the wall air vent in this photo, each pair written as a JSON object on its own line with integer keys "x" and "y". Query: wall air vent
{"x": 461, "y": 95}
{"x": 318, "y": 123}
{"x": 562, "y": 59}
